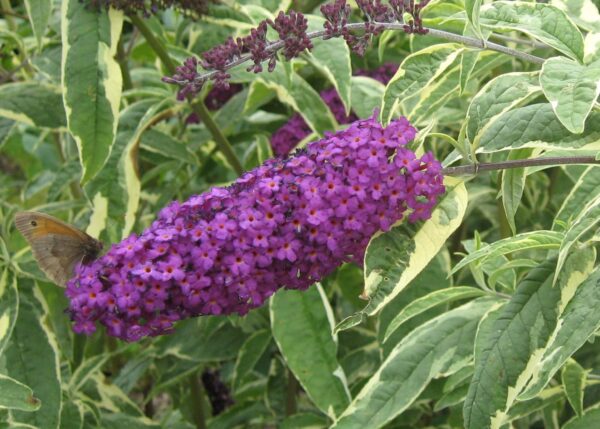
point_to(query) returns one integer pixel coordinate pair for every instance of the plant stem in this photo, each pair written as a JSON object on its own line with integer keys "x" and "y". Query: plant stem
{"x": 198, "y": 107}
{"x": 197, "y": 400}
{"x": 473, "y": 169}
{"x": 478, "y": 43}
{"x": 12, "y": 13}
{"x": 291, "y": 406}
{"x": 505, "y": 230}
{"x": 122, "y": 60}
{"x": 504, "y": 38}
{"x": 154, "y": 43}
{"x": 465, "y": 40}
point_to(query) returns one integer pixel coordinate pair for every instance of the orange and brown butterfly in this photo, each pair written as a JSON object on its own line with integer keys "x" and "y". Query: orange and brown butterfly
{"x": 57, "y": 246}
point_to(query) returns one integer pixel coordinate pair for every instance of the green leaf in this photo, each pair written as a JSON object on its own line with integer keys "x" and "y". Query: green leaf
{"x": 332, "y": 58}
{"x": 9, "y": 306}
{"x": 434, "y": 277}
{"x": 108, "y": 397}
{"x": 536, "y": 126}
{"x": 350, "y": 321}
{"x": 293, "y": 90}
{"x": 453, "y": 397}
{"x": 584, "y": 13}
{"x": 56, "y": 302}
{"x": 546, "y": 398}
{"x": 307, "y": 315}
{"x": 394, "y": 258}
{"x": 115, "y": 192}
{"x": 441, "y": 346}
{"x": 468, "y": 60}
{"x": 585, "y": 189}
{"x": 6, "y": 126}
{"x": 573, "y": 379}
{"x": 121, "y": 420}
{"x": 67, "y": 173}
{"x": 304, "y": 420}
{"x": 32, "y": 358}
{"x": 32, "y": 103}
{"x": 465, "y": 373}
{"x": 415, "y": 74}
{"x": 543, "y": 22}
{"x": 158, "y": 142}
{"x": 431, "y": 300}
{"x": 71, "y": 416}
{"x": 258, "y": 152}
{"x": 525, "y": 241}
{"x": 92, "y": 81}
{"x": 590, "y": 419}
{"x": 571, "y": 89}
{"x": 366, "y": 95}
{"x": 258, "y": 95}
{"x": 39, "y": 13}
{"x": 249, "y": 354}
{"x": 513, "y": 183}
{"x": 424, "y": 107}
{"x": 584, "y": 223}
{"x": 88, "y": 368}
{"x": 238, "y": 415}
{"x": 202, "y": 339}
{"x": 48, "y": 61}
{"x": 592, "y": 47}
{"x": 509, "y": 355}
{"x": 15, "y": 395}
{"x": 578, "y": 322}
{"x": 132, "y": 371}
{"x": 472, "y": 7}
{"x": 499, "y": 95}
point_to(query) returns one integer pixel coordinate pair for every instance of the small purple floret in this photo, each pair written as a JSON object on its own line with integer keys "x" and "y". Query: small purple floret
{"x": 287, "y": 223}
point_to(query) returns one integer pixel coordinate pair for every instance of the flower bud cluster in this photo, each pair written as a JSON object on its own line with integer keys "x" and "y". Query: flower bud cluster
{"x": 294, "y": 39}
{"x": 291, "y": 29}
{"x": 415, "y": 23}
{"x": 287, "y": 223}
{"x": 287, "y": 137}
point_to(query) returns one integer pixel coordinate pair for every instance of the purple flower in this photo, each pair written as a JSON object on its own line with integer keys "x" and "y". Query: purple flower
{"x": 287, "y": 223}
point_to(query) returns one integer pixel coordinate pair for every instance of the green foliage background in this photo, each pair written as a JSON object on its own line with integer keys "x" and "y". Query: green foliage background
{"x": 483, "y": 316}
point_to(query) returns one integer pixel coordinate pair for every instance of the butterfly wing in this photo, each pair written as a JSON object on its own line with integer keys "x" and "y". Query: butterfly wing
{"x": 57, "y": 256}
{"x": 56, "y": 246}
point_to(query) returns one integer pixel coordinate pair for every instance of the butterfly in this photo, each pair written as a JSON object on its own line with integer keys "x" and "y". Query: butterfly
{"x": 56, "y": 245}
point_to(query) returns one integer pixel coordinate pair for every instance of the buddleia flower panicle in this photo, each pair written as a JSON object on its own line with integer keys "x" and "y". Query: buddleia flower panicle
{"x": 288, "y": 223}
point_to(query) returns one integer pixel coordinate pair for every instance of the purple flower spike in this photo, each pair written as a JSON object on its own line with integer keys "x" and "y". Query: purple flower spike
{"x": 287, "y": 223}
